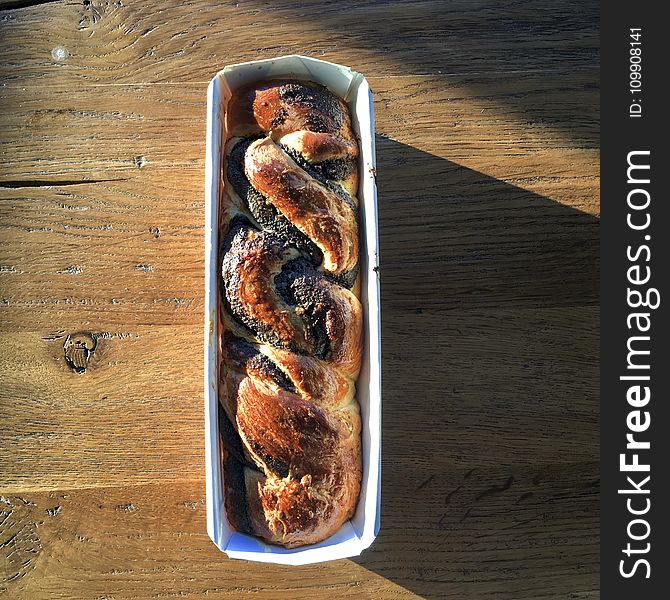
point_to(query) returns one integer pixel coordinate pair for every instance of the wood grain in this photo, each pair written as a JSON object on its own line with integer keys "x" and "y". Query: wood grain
{"x": 487, "y": 122}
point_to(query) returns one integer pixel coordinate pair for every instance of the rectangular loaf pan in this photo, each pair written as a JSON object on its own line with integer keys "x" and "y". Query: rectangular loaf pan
{"x": 359, "y": 532}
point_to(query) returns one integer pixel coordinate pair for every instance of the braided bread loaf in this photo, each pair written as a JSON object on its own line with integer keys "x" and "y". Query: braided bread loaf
{"x": 292, "y": 321}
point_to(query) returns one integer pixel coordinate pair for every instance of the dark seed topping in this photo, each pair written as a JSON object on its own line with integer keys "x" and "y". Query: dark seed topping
{"x": 346, "y": 279}
{"x": 300, "y": 285}
{"x": 324, "y": 104}
{"x": 244, "y": 355}
{"x": 230, "y": 438}
{"x": 236, "y": 244}
{"x": 279, "y": 118}
{"x": 318, "y": 172}
{"x": 277, "y": 466}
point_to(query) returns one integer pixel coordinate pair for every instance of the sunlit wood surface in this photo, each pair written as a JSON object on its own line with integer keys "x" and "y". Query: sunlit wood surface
{"x": 487, "y": 121}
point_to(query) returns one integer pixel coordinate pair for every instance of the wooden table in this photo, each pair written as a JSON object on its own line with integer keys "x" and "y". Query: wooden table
{"x": 487, "y": 120}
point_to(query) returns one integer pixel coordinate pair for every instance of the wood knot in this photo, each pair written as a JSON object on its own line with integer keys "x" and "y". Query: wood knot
{"x": 78, "y": 348}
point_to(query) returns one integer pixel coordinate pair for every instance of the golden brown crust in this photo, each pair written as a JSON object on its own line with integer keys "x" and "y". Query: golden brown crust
{"x": 284, "y": 106}
{"x": 314, "y": 209}
{"x": 312, "y": 466}
{"x": 319, "y": 147}
{"x": 314, "y": 381}
{"x": 303, "y": 117}
{"x": 293, "y": 330}
{"x": 251, "y": 265}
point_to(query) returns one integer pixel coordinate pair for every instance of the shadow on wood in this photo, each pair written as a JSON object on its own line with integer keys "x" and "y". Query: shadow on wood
{"x": 490, "y": 413}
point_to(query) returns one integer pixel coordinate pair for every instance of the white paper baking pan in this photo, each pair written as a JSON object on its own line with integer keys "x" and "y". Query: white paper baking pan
{"x": 358, "y": 533}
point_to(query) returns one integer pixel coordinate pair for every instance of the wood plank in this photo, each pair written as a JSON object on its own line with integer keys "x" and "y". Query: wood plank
{"x": 466, "y": 534}
{"x": 113, "y": 41}
{"x": 108, "y": 133}
{"x": 134, "y": 415}
{"x": 146, "y": 542}
{"x": 112, "y": 131}
{"x": 117, "y": 252}
{"x": 460, "y": 239}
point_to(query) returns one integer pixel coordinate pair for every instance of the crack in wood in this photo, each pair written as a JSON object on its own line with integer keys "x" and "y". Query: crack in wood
{"x": 15, "y": 4}
{"x": 525, "y": 496}
{"x": 448, "y": 497}
{"x": 21, "y": 183}
{"x": 39, "y": 115}
{"x": 495, "y": 489}
{"x": 56, "y": 335}
{"x": 425, "y": 483}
